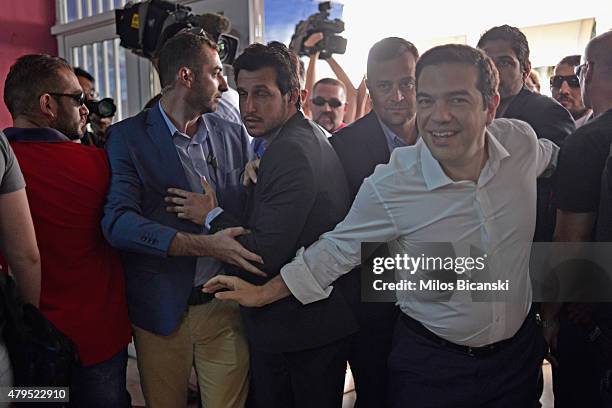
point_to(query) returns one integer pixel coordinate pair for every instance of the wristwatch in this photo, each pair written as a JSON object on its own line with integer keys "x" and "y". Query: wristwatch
{"x": 545, "y": 324}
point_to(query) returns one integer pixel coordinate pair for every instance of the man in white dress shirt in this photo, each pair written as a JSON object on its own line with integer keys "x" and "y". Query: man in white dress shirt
{"x": 467, "y": 180}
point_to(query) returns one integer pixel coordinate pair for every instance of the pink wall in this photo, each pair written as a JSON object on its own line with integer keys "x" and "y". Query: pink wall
{"x": 25, "y": 28}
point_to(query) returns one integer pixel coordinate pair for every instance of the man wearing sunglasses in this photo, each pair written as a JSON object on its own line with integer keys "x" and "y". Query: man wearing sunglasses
{"x": 328, "y": 104}
{"x": 83, "y": 286}
{"x": 565, "y": 88}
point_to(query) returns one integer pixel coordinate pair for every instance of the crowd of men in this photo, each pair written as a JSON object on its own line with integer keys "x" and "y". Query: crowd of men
{"x": 182, "y": 218}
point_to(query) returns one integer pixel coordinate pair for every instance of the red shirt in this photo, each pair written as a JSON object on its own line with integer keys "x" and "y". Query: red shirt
{"x": 83, "y": 286}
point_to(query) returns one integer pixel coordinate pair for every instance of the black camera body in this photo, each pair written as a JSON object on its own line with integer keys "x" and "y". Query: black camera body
{"x": 319, "y": 23}
{"x": 144, "y": 27}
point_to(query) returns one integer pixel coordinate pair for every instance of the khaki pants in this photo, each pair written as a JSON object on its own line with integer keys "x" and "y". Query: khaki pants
{"x": 211, "y": 336}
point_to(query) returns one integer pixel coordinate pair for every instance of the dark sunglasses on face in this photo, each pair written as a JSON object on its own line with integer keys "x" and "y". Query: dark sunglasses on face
{"x": 557, "y": 80}
{"x": 320, "y": 101}
{"x": 78, "y": 98}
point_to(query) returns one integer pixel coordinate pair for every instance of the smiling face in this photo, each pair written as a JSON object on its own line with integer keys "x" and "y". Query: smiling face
{"x": 262, "y": 106}
{"x": 451, "y": 114}
{"x": 511, "y": 74}
{"x": 391, "y": 87}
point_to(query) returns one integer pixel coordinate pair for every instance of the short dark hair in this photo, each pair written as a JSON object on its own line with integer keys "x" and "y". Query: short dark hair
{"x": 182, "y": 50}
{"x": 488, "y": 77}
{"x": 390, "y": 48}
{"x": 275, "y": 55}
{"x": 330, "y": 81}
{"x": 80, "y": 72}
{"x": 571, "y": 60}
{"x": 514, "y": 36}
{"x": 29, "y": 77}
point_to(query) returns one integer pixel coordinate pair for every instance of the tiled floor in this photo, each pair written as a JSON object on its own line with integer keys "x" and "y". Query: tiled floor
{"x": 133, "y": 384}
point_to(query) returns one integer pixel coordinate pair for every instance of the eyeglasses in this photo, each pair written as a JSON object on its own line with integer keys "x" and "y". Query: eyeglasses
{"x": 320, "y": 101}
{"x": 579, "y": 68}
{"x": 78, "y": 98}
{"x": 557, "y": 80}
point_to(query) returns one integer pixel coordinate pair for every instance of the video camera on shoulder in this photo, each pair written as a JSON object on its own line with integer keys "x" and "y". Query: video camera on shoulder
{"x": 144, "y": 27}
{"x": 319, "y": 23}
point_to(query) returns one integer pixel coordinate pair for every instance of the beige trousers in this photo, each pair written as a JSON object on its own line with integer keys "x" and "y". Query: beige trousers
{"x": 209, "y": 336}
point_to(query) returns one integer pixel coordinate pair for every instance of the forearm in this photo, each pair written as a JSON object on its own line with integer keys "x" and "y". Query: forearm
{"x": 26, "y": 271}
{"x": 184, "y": 244}
{"x": 311, "y": 72}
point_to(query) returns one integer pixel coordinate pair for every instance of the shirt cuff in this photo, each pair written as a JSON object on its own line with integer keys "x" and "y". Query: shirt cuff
{"x": 301, "y": 282}
{"x": 210, "y": 217}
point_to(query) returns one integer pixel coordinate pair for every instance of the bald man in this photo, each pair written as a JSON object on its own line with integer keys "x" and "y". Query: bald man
{"x": 585, "y": 206}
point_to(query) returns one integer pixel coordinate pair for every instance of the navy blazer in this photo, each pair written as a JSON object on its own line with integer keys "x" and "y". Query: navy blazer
{"x": 144, "y": 164}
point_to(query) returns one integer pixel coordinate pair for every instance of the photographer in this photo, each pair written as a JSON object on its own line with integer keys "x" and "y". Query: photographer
{"x": 94, "y": 133}
{"x": 351, "y": 93}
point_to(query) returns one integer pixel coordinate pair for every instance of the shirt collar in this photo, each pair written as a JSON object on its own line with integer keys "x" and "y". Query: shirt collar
{"x": 15, "y": 134}
{"x": 393, "y": 140}
{"x": 198, "y": 137}
{"x": 435, "y": 177}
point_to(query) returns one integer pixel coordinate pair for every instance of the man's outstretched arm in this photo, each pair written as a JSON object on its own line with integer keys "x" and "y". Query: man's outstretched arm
{"x": 310, "y": 275}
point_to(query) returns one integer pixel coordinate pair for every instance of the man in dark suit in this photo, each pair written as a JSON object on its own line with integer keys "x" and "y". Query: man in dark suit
{"x": 361, "y": 147}
{"x": 298, "y": 353}
{"x": 165, "y": 250}
{"x": 508, "y": 48}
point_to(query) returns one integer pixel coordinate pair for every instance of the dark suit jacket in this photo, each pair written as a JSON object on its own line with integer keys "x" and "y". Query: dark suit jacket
{"x": 550, "y": 121}
{"x": 361, "y": 146}
{"x": 144, "y": 164}
{"x": 300, "y": 194}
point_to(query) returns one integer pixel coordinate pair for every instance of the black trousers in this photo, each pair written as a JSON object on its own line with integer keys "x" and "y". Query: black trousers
{"x": 576, "y": 381}
{"x": 369, "y": 353}
{"x": 425, "y": 374}
{"x": 303, "y": 379}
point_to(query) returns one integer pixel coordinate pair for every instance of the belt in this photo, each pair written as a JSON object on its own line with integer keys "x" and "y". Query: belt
{"x": 483, "y": 351}
{"x": 197, "y": 297}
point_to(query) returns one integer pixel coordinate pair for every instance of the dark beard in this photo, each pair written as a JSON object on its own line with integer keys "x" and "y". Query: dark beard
{"x": 66, "y": 131}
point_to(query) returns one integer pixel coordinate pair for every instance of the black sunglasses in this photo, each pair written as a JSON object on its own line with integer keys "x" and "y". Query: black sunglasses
{"x": 557, "y": 80}
{"x": 320, "y": 101}
{"x": 78, "y": 98}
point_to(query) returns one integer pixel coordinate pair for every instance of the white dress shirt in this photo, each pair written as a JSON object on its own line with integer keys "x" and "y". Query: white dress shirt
{"x": 411, "y": 200}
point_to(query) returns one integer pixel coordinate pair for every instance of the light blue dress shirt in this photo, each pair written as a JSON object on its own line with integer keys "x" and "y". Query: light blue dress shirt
{"x": 193, "y": 152}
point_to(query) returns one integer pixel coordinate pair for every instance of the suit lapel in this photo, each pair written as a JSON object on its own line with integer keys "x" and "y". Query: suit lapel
{"x": 170, "y": 165}
{"x": 376, "y": 140}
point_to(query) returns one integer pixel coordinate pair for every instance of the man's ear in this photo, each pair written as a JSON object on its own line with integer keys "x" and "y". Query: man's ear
{"x": 526, "y": 70}
{"x": 294, "y": 95}
{"x": 304, "y": 96}
{"x": 588, "y": 73}
{"x": 47, "y": 106}
{"x": 492, "y": 107}
{"x": 185, "y": 76}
